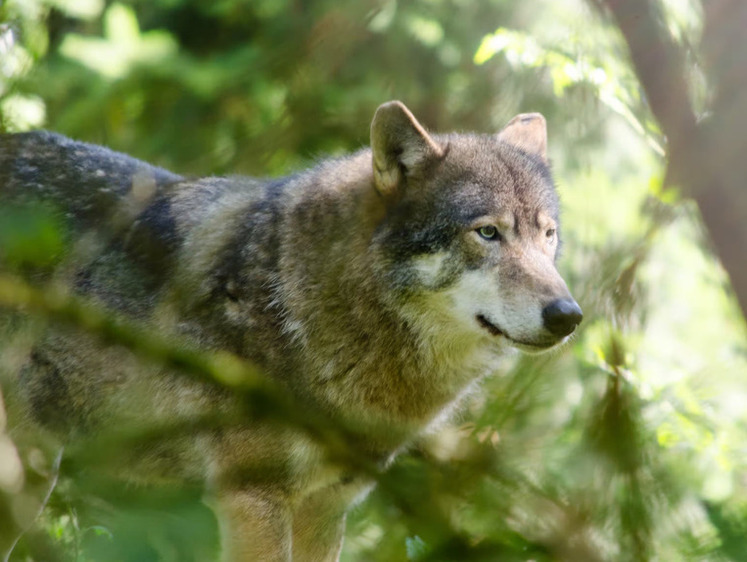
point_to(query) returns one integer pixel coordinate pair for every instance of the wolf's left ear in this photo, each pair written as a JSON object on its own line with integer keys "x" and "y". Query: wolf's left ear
{"x": 400, "y": 146}
{"x": 527, "y": 131}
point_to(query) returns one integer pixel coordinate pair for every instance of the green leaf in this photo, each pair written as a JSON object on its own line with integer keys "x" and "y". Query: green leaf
{"x": 416, "y": 548}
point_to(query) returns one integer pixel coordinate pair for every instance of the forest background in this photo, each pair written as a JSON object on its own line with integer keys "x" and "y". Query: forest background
{"x": 629, "y": 443}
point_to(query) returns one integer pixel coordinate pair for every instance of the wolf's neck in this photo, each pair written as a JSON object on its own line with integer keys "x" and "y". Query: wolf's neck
{"x": 358, "y": 353}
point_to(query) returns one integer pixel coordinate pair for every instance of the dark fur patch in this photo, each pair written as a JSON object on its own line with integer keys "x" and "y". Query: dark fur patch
{"x": 154, "y": 239}
{"x": 50, "y": 403}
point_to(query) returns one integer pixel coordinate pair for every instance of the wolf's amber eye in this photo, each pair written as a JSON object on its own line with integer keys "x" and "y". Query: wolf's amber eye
{"x": 488, "y": 232}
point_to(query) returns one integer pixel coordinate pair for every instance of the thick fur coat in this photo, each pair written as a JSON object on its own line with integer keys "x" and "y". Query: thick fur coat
{"x": 377, "y": 287}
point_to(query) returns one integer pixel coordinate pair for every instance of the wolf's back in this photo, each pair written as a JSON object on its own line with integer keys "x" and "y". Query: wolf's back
{"x": 84, "y": 181}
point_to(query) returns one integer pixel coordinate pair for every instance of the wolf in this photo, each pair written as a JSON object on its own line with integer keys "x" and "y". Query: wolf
{"x": 379, "y": 287}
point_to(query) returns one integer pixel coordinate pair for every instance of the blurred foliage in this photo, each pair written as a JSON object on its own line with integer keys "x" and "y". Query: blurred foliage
{"x": 626, "y": 445}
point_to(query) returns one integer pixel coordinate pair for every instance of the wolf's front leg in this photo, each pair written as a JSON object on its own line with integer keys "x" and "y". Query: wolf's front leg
{"x": 318, "y": 527}
{"x": 319, "y": 520}
{"x": 255, "y": 525}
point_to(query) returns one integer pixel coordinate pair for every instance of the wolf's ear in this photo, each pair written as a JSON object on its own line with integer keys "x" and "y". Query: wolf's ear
{"x": 527, "y": 131}
{"x": 400, "y": 146}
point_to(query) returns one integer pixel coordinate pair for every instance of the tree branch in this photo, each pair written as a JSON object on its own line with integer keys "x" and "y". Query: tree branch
{"x": 708, "y": 159}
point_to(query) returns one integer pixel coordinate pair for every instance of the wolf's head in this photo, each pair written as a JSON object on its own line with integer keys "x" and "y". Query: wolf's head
{"x": 471, "y": 232}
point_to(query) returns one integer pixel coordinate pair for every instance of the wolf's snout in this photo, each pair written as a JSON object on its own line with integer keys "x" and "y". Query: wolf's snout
{"x": 562, "y": 316}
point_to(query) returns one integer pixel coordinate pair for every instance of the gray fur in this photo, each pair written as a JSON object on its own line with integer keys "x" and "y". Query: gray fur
{"x": 335, "y": 282}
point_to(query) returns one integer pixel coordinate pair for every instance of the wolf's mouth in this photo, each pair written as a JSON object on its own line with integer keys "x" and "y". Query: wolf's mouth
{"x": 496, "y": 331}
{"x": 490, "y": 327}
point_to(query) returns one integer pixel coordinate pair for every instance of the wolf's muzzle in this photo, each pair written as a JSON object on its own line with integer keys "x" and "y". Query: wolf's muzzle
{"x": 562, "y": 316}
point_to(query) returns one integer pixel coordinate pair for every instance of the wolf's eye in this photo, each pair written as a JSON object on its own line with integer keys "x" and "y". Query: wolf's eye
{"x": 550, "y": 234}
{"x": 488, "y": 232}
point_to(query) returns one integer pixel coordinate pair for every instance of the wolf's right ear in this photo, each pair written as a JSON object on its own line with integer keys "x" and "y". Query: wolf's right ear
{"x": 400, "y": 146}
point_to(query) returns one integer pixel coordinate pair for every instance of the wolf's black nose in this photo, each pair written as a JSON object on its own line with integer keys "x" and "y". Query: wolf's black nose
{"x": 562, "y": 316}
